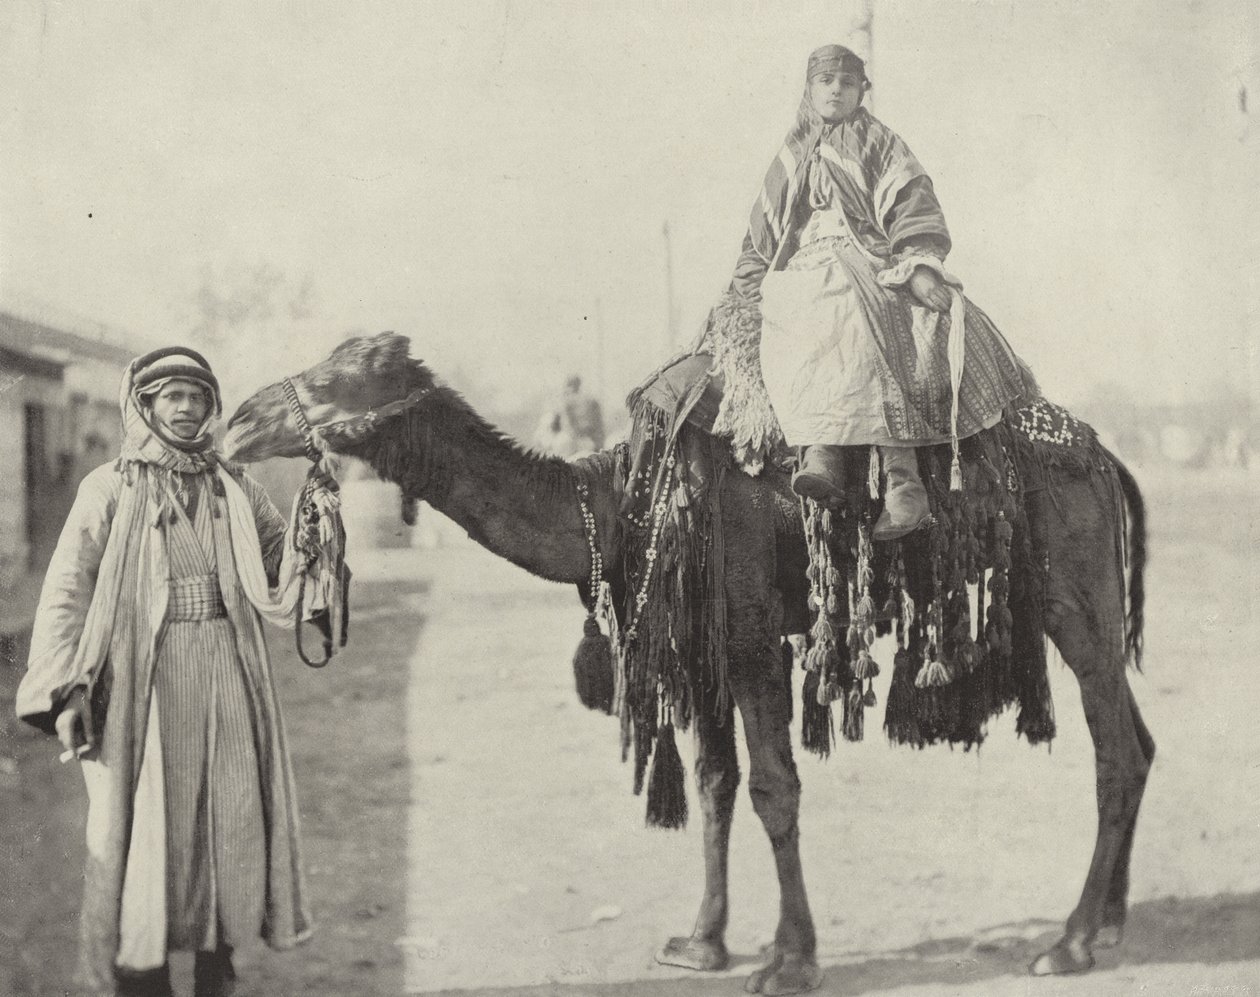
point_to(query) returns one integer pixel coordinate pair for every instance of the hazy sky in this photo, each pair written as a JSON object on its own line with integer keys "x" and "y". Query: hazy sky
{"x": 491, "y": 178}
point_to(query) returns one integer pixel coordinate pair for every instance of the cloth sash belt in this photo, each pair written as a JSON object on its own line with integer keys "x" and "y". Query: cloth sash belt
{"x": 196, "y": 598}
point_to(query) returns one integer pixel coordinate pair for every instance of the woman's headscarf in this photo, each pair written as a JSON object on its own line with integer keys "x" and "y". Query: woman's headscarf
{"x": 866, "y": 161}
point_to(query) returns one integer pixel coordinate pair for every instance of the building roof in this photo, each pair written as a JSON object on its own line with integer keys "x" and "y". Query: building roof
{"x": 15, "y": 364}
{"x": 21, "y": 335}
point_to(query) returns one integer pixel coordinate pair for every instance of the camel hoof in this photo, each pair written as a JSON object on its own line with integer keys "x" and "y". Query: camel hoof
{"x": 1109, "y": 936}
{"x": 1069, "y": 955}
{"x": 785, "y": 974}
{"x": 694, "y": 953}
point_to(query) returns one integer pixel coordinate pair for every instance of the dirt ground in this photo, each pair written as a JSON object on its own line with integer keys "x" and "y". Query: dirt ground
{"x": 345, "y": 724}
{"x": 934, "y": 872}
{"x": 471, "y": 829}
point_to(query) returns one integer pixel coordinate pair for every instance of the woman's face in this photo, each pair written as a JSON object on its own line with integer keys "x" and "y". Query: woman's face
{"x": 835, "y": 95}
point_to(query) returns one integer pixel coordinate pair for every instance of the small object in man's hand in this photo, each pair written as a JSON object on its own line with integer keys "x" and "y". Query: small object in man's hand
{"x": 78, "y": 752}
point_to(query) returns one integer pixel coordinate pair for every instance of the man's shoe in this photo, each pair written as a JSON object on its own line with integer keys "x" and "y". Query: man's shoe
{"x": 143, "y": 982}
{"x": 213, "y": 975}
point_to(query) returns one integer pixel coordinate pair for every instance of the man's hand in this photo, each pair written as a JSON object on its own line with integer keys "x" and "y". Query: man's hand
{"x": 74, "y": 723}
{"x": 929, "y": 290}
{"x": 324, "y": 473}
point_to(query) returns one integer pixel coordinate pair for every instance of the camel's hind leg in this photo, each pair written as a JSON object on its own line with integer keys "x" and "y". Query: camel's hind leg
{"x": 1085, "y": 619}
{"x": 1111, "y": 929}
{"x": 717, "y": 779}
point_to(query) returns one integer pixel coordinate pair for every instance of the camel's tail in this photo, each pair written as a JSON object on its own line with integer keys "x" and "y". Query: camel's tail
{"x": 1136, "y": 549}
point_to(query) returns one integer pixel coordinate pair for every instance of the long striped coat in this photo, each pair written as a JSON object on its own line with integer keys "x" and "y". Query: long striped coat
{"x": 208, "y": 685}
{"x": 881, "y": 372}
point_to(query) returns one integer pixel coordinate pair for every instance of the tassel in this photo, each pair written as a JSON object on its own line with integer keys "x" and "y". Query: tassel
{"x": 593, "y": 668}
{"x": 891, "y": 610}
{"x": 955, "y": 472}
{"x": 864, "y": 615}
{"x": 900, "y": 716}
{"x": 815, "y": 718}
{"x": 853, "y": 715}
{"x": 1003, "y": 532}
{"x": 642, "y": 750}
{"x": 869, "y": 699}
{"x": 667, "y": 795}
{"x": 934, "y": 673}
{"x": 866, "y": 668}
{"x": 872, "y": 475}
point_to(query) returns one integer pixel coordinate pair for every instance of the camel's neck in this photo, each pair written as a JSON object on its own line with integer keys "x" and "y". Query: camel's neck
{"x": 517, "y": 505}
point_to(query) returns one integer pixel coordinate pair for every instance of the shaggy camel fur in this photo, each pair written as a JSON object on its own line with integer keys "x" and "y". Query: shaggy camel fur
{"x": 524, "y": 508}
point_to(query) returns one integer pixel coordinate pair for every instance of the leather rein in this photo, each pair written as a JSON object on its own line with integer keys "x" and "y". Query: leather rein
{"x": 316, "y": 541}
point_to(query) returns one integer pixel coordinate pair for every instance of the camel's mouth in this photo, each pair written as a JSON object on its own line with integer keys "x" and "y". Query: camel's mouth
{"x": 243, "y": 442}
{"x": 258, "y": 430}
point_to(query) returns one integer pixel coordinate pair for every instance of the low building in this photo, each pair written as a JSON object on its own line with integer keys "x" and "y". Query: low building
{"x": 59, "y": 418}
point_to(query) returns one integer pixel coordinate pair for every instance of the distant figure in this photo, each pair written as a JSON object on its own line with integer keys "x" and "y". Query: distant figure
{"x": 584, "y": 416}
{"x": 574, "y": 426}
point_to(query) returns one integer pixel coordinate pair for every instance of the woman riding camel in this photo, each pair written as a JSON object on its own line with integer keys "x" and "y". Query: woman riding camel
{"x": 844, "y": 256}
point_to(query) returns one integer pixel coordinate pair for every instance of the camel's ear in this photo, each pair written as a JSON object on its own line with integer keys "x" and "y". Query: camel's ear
{"x": 390, "y": 349}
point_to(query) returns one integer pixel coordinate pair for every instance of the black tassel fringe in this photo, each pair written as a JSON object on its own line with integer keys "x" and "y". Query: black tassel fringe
{"x": 593, "y": 668}
{"x": 667, "y": 794}
{"x": 816, "y": 732}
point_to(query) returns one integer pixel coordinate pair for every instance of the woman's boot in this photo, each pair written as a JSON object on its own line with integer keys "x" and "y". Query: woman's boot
{"x": 821, "y": 475}
{"x": 905, "y": 498}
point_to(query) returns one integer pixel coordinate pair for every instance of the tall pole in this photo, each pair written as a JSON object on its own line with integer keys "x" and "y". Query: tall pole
{"x": 864, "y": 38}
{"x": 671, "y": 311}
{"x": 599, "y": 350}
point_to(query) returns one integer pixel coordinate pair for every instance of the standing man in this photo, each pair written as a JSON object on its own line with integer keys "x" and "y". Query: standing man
{"x": 585, "y": 417}
{"x": 149, "y": 663}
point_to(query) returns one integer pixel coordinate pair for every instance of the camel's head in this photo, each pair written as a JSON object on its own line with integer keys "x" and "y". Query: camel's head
{"x": 359, "y": 376}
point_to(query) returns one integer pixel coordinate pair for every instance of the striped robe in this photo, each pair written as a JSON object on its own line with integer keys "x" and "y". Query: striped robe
{"x": 215, "y": 839}
{"x": 847, "y": 355}
{"x": 192, "y": 817}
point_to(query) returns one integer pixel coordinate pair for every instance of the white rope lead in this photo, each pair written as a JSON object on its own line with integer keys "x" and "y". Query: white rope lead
{"x": 957, "y": 354}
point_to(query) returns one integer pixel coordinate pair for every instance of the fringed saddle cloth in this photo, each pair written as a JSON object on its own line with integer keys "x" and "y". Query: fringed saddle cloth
{"x": 667, "y": 598}
{"x": 964, "y": 598}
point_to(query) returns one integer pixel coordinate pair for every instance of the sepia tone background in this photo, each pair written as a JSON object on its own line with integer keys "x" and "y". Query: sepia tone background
{"x": 534, "y": 190}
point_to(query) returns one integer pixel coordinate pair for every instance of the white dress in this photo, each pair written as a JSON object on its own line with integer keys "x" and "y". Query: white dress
{"x": 818, "y": 356}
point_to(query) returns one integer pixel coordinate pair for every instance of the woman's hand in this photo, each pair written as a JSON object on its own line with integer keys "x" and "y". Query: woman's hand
{"x": 929, "y": 290}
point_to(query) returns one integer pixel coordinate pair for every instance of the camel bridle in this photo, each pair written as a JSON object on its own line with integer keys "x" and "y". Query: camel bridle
{"x": 353, "y": 428}
{"x": 318, "y": 533}
{"x": 313, "y": 452}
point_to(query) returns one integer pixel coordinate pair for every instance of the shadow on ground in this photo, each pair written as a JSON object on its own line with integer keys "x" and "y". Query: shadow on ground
{"x": 1205, "y": 930}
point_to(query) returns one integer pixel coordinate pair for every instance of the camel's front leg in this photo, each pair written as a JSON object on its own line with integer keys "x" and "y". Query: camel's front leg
{"x": 717, "y": 779}
{"x": 763, "y": 694}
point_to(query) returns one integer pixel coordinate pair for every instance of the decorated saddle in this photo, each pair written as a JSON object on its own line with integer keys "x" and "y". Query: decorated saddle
{"x": 963, "y": 598}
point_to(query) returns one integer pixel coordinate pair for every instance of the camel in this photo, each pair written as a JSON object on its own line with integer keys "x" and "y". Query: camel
{"x": 369, "y": 399}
